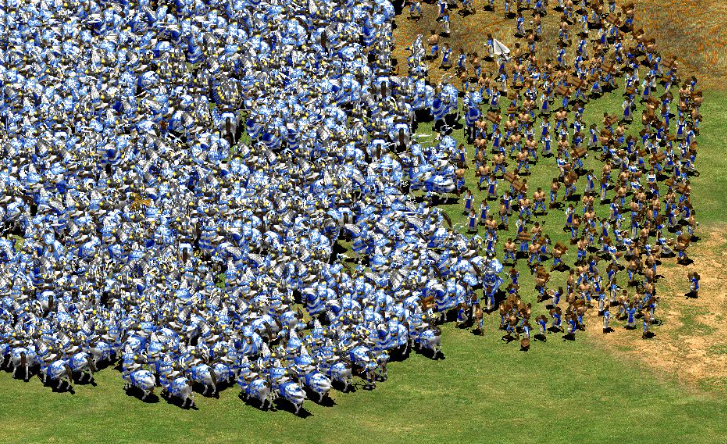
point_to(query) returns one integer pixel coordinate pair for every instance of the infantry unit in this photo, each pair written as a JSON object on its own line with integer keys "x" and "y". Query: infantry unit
{"x": 222, "y": 191}
{"x": 622, "y": 220}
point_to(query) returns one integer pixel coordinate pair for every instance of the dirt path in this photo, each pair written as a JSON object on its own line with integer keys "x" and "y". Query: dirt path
{"x": 692, "y": 30}
{"x": 691, "y": 342}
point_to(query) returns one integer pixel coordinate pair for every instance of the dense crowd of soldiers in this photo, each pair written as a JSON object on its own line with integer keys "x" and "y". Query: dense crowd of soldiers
{"x": 216, "y": 191}
{"x": 644, "y": 179}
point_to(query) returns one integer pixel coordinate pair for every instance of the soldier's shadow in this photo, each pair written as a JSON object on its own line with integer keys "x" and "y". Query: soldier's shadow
{"x": 136, "y": 393}
{"x": 65, "y": 388}
{"x": 429, "y": 353}
{"x": 312, "y": 396}
{"x": 255, "y": 403}
{"x": 508, "y": 338}
{"x": 176, "y": 401}
{"x": 287, "y": 406}
{"x": 339, "y": 386}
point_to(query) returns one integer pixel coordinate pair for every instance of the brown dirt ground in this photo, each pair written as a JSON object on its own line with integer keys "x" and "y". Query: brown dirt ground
{"x": 691, "y": 342}
{"x": 694, "y": 31}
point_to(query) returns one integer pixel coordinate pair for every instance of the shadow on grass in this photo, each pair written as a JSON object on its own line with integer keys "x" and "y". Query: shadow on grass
{"x": 287, "y": 406}
{"x": 136, "y": 393}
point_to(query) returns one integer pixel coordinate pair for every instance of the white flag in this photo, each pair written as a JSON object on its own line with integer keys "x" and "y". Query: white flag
{"x": 499, "y": 48}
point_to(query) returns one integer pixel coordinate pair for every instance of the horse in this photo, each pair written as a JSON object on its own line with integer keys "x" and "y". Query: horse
{"x": 22, "y": 357}
{"x": 293, "y": 393}
{"x": 204, "y": 374}
{"x": 100, "y": 352}
{"x": 402, "y": 338}
{"x": 115, "y": 337}
{"x": 338, "y": 372}
{"x": 431, "y": 339}
{"x": 252, "y": 344}
{"x": 258, "y": 389}
{"x": 180, "y": 387}
{"x": 191, "y": 332}
{"x": 265, "y": 326}
{"x": 142, "y": 379}
{"x": 4, "y": 354}
{"x": 398, "y": 337}
{"x": 135, "y": 344}
{"x": 318, "y": 383}
{"x": 84, "y": 364}
{"x": 58, "y": 371}
{"x": 223, "y": 373}
{"x": 46, "y": 299}
{"x": 362, "y": 357}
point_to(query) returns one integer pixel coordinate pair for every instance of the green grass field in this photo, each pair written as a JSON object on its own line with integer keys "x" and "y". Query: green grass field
{"x": 590, "y": 390}
{"x": 484, "y": 391}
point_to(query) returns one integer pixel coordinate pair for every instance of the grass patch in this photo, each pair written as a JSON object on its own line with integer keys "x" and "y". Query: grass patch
{"x": 718, "y": 349}
{"x": 484, "y": 391}
{"x": 482, "y": 384}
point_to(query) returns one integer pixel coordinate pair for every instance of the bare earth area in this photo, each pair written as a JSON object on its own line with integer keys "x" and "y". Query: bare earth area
{"x": 691, "y": 342}
{"x": 692, "y": 30}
